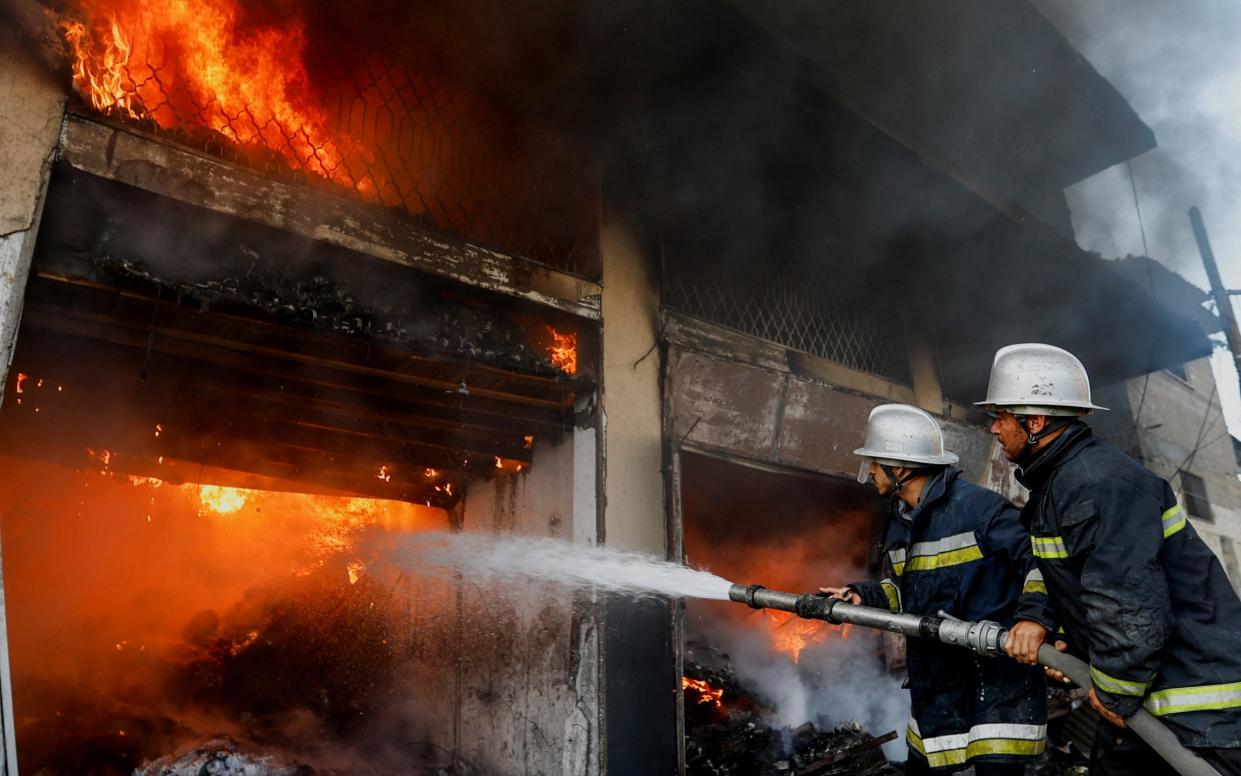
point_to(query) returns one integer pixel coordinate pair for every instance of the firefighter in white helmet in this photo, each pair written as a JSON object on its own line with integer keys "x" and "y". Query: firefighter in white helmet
{"x": 953, "y": 548}
{"x": 1137, "y": 592}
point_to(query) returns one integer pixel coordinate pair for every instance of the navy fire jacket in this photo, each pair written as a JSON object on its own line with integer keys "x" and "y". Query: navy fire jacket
{"x": 1139, "y": 594}
{"x": 962, "y": 552}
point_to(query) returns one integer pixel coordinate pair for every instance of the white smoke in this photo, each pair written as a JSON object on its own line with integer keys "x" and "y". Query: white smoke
{"x": 836, "y": 682}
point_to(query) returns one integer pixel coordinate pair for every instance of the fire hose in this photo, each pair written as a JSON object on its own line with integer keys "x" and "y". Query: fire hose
{"x": 984, "y": 637}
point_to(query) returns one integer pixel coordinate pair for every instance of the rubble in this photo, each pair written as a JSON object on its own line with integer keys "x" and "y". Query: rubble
{"x": 735, "y": 738}
{"x": 221, "y": 757}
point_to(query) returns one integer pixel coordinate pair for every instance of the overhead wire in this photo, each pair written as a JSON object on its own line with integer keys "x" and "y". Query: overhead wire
{"x": 1137, "y": 415}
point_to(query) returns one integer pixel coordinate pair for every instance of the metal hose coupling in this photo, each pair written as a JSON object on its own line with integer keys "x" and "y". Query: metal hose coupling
{"x": 747, "y": 597}
{"x": 984, "y": 637}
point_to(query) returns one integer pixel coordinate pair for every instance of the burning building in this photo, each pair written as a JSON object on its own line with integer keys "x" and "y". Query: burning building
{"x": 285, "y": 282}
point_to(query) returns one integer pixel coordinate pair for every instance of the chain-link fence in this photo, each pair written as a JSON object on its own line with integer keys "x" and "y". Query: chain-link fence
{"x": 337, "y": 112}
{"x": 783, "y": 303}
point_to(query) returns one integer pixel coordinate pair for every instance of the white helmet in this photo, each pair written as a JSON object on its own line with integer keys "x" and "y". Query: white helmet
{"x": 1035, "y": 379}
{"x": 901, "y": 435}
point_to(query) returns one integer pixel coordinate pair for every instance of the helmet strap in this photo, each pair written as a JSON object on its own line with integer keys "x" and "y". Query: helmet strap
{"x": 1032, "y": 438}
{"x": 897, "y": 482}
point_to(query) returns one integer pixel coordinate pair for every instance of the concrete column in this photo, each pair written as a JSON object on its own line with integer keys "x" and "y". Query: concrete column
{"x": 928, "y": 393}
{"x": 31, "y": 108}
{"x": 633, "y": 482}
{"x": 640, "y": 678}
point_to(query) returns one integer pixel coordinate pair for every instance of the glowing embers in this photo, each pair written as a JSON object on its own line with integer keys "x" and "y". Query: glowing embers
{"x": 224, "y": 501}
{"x": 25, "y": 387}
{"x": 289, "y": 609}
{"x": 705, "y": 693}
{"x": 563, "y": 351}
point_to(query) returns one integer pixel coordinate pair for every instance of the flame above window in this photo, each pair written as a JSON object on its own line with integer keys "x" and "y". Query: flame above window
{"x": 274, "y": 93}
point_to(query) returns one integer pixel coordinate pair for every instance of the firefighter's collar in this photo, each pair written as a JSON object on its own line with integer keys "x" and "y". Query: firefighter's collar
{"x": 1035, "y": 471}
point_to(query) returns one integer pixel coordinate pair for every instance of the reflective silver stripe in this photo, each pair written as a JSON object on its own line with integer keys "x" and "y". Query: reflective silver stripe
{"x": 1119, "y": 686}
{"x": 941, "y": 553}
{"x": 1210, "y": 697}
{"x": 988, "y": 739}
{"x": 1049, "y": 547}
{"x": 1034, "y": 583}
{"x": 980, "y": 732}
{"x": 955, "y": 542}
{"x": 1173, "y": 521}
{"x": 898, "y": 560}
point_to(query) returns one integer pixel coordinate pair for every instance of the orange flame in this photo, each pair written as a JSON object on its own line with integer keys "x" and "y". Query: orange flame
{"x": 706, "y": 693}
{"x": 222, "y": 500}
{"x": 247, "y": 82}
{"x": 791, "y": 634}
{"x": 563, "y": 351}
{"x": 99, "y": 66}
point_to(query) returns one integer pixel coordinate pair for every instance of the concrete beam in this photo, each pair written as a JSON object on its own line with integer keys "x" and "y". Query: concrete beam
{"x": 127, "y": 156}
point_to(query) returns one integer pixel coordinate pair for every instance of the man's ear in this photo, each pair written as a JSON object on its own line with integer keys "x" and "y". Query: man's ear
{"x": 1037, "y": 423}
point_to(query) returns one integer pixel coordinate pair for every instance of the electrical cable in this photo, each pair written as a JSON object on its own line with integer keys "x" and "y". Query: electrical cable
{"x": 1202, "y": 430}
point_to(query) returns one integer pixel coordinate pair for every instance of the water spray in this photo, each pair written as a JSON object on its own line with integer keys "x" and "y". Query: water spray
{"x": 983, "y": 637}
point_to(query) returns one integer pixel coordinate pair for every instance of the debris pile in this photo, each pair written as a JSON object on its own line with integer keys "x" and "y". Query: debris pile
{"x": 221, "y": 757}
{"x": 734, "y": 737}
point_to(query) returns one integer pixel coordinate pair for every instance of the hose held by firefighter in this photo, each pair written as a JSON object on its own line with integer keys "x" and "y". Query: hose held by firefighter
{"x": 1135, "y": 591}
{"x": 953, "y": 549}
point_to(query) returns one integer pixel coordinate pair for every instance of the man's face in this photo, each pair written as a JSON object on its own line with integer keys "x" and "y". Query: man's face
{"x": 1011, "y": 434}
{"x": 879, "y": 478}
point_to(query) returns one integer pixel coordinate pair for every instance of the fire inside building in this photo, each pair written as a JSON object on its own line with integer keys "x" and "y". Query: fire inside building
{"x": 285, "y": 282}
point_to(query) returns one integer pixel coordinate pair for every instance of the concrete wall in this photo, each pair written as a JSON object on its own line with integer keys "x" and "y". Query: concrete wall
{"x": 526, "y": 696}
{"x": 792, "y": 414}
{"x": 1180, "y": 426}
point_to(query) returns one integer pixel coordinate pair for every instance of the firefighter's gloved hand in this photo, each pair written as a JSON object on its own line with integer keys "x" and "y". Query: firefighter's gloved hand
{"x": 1024, "y": 640}
{"x": 846, "y": 594}
{"x": 1105, "y": 712}
{"x": 1055, "y": 675}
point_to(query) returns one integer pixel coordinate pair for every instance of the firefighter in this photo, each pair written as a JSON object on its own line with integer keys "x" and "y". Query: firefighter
{"x": 1138, "y": 594}
{"x": 953, "y": 549}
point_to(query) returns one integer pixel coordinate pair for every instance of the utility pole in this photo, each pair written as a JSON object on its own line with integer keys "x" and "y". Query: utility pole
{"x": 1222, "y": 296}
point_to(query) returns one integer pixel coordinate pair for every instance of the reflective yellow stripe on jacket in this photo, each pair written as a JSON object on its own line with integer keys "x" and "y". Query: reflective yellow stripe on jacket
{"x": 942, "y": 553}
{"x": 893, "y": 594}
{"x": 1207, "y": 697}
{"x": 1173, "y": 521}
{"x": 1034, "y": 583}
{"x": 989, "y": 739}
{"x": 1049, "y": 547}
{"x": 1116, "y": 686}
{"x": 898, "y": 561}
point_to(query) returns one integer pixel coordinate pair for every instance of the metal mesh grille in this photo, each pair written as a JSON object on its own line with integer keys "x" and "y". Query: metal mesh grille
{"x": 371, "y": 126}
{"x": 783, "y": 304}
